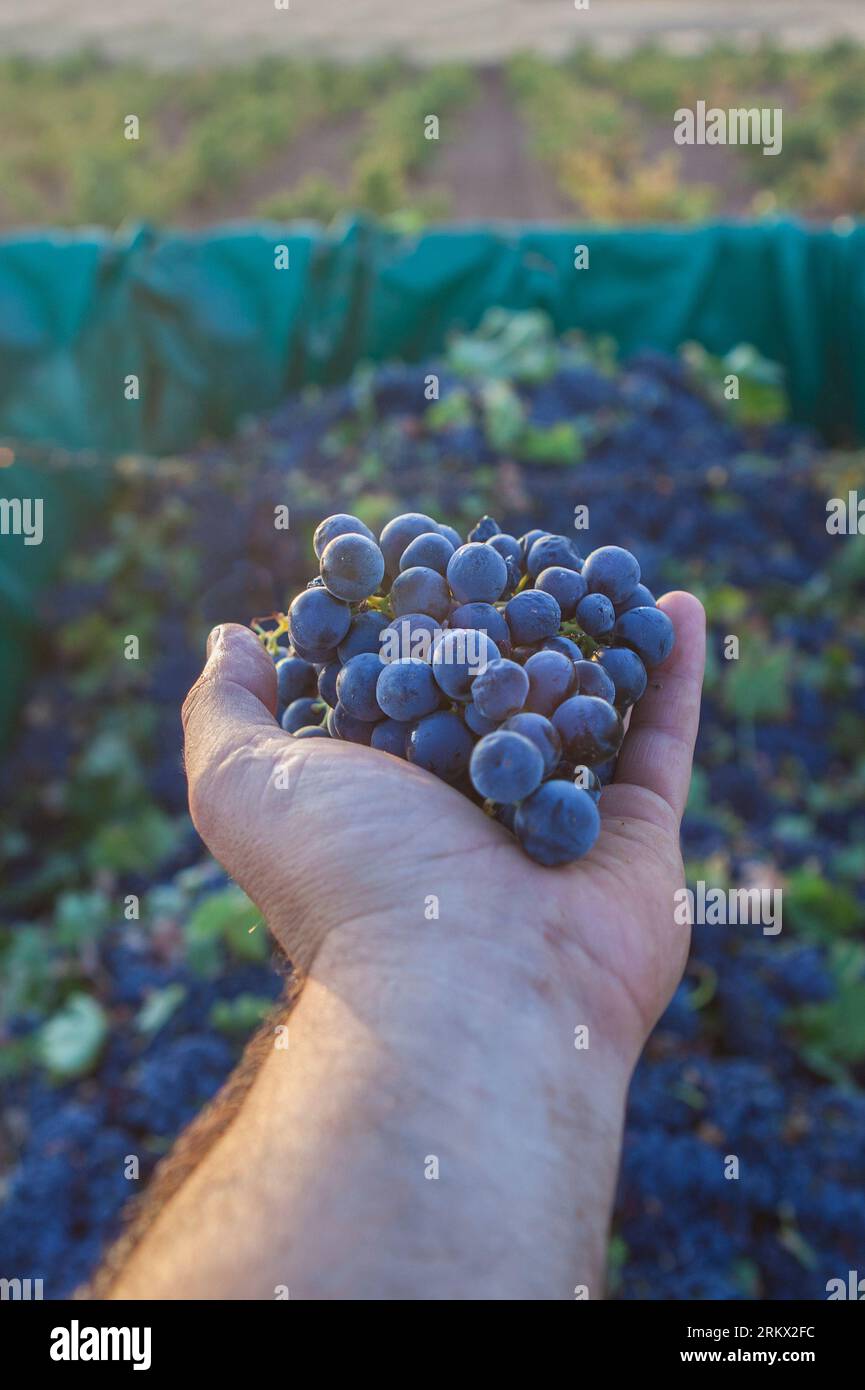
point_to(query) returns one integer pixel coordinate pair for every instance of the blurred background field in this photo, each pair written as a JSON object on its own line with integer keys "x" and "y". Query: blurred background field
{"x": 586, "y": 136}
{"x": 117, "y": 1028}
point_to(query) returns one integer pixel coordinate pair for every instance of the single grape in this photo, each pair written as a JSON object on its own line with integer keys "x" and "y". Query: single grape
{"x": 612, "y": 571}
{"x": 341, "y": 524}
{"x": 505, "y": 766}
{"x": 590, "y": 729}
{"x": 476, "y": 721}
{"x": 352, "y": 567}
{"x": 484, "y": 529}
{"x": 390, "y": 737}
{"x": 442, "y": 744}
{"x": 340, "y": 724}
{"x": 300, "y": 713}
{"x": 363, "y": 635}
{"x": 295, "y": 678}
{"x": 500, "y": 690}
{"x": 476, "y": 573}
{"x": 509, "y": 549}
{"x": 527, "y": 540}
{"x": 458, "y": 657}
{"x": 541, "y": 733}
{"x": 484, "y": 617}
{"x": 557, "y": 824}
{"x": 627, "y": 673}
{"x": 563, "y": 645}
{"x": 532, "y": 616}
{"x": 421, "y": 590}
{"x": 327, "y": 682}
{"x": 551, "y": 680}
{"x": 648, "y": 632}
{"x": 312, "y": 731}
{"x": 399, "y": 533}
{"x": 451, "y": 534}
{"x": 356, "y": 686}
{"x": 596, "y": 615}
{"x": 641, "y": 597}
{"x": 431, "y": 550}
{"x": 592, "y": 679}
{"x": 552, "y": 550}
{"x": 407, "y": 690}
{"x": 317, "y": 622}
{"x": 567, "y": 587}
{"x": 412, "y": 634}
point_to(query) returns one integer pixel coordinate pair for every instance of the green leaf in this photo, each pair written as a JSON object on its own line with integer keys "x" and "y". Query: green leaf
{"x": 80, "y": 917}
{"x": 831, "y": 1035}
{"x": 757, "y": 686}
{"x": 240, "y": 1015}
{"x": 158, "y": 1007}
{"x": 139, "y": 842}
{"x": 817, "y": 909}
{"x": 69, "y": 1044}
{"x": 504, "y": 415}
{"x": 224, "y": 919}
{"x": 561, "y": 443}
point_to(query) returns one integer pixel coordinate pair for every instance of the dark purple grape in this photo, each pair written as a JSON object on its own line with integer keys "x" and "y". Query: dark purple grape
{"x": 552, "y": 550}
{"x": 407, "y": 690}
{"x": 458, "y": 657}
{"x": 442, "y": 744}
{"x": 505, "y": 766}
{"x": 648, "y": 632}
{"x": 352, "y": 567}
{"x": 627, "y": 673}
{"x": 477, "y": 574}
{"x": 557, "y": 824}
{"x": 592, "y": 679}
{"x": 567, "y": 587}
{"x": 612, "y": 571}
{"x": 542, "y": 734}
{"x": 363, "y": 635}
{"x": 551, "y": 680}
{"x": 399, "y": 533}
{"x": 431, "y": 550}
{"x": 356, "y": 686}
{"x": 532, "y": 616}
{"x": 341, "y": 524}
{"x": 590, "y": 729}
{"x": 421, "y": 590}
{"x": 500, "y": 690}
{"x": 596, "y": 615}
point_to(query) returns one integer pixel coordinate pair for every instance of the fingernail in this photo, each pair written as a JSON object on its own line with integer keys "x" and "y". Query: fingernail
{"x": 215, "y": 636}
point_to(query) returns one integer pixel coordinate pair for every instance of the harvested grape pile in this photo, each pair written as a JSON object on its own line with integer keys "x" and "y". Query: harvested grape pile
{"x": 761, "y": 1052}
{"x": 503, "y": 665}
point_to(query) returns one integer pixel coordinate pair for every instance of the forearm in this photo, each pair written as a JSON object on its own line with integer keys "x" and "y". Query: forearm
{"x": 406, "y": 1058}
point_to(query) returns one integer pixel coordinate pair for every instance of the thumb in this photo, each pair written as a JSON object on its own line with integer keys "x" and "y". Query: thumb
{"x": 232, "y": 745}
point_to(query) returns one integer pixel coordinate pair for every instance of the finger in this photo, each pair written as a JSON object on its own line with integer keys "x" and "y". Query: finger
{"x": 659, "y": 746}
{"x": 231, "y": 707}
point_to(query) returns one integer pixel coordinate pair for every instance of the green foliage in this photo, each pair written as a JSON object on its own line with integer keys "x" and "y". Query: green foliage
{"x": 819, "y": 910}
{"x": 757, "y": 686}
{"x": 239, "y": 1016}
{"x": 158, "y": 1007}
{"x": 224, "y": 921}
{"x": 70, "y": 1042}
{"x": 762, "y": 398}
{"x": 517, "y": 346}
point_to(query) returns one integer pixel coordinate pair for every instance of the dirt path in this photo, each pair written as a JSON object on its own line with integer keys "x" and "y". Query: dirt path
{"x": 481, "y": 31}
{"x": 486, "y": 168}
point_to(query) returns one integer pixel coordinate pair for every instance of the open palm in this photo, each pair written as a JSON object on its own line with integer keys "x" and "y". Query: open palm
{"x": 335, "y": 839}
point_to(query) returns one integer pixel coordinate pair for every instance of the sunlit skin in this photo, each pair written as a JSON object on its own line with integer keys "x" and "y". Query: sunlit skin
{"x": 419, "y": 1035}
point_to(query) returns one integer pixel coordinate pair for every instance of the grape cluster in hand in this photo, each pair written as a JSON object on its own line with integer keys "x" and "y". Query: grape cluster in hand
{"x": 504, "y": 665}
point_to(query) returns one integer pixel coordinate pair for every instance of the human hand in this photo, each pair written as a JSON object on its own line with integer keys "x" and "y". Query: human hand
{"x": 337, "y": 842}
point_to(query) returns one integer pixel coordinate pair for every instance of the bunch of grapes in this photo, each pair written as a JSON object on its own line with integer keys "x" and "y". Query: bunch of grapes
{"x": 504, "y": 665}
